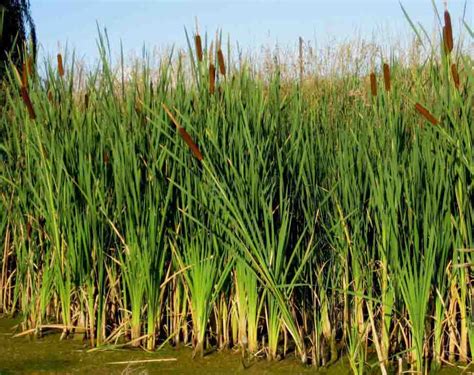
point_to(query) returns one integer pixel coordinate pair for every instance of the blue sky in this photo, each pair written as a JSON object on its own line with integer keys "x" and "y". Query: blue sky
{"x": 251, "y": 23}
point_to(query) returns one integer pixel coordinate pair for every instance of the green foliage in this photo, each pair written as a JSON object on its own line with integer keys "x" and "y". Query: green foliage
{"x": 321, "y": 220}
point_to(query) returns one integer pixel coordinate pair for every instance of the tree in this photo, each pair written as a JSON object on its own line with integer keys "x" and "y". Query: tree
{"x": 16, "y": 27}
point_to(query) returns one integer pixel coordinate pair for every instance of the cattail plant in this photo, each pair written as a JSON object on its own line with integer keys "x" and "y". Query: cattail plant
{"x": 212, "y": 78}
{"x": 221, "y": 62}
{"x": 373, "y": 84}
{"x": 60, "y": 65}
{"x": 198, "y": 45}
{"x": 29, "y": 105}
{"x": 426, "y": 114}
{"x": 448, "y": 33}
{"x": 386, "y": 77}
{"x": 184, "y": 134}
{"x": 307, "y": 231}
{"x": 455, "y": 75}
{"x": 24, "y": 75}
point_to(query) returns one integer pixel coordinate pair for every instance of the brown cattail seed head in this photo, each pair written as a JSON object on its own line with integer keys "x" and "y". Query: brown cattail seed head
{"x": 448, "y": 33}
{"x": 426, "y": 114}
{"x": 184, "y": 134}
{"x": 455, "y": 74}
{"x": 386, "y": 77}
{"x": 198, "y": 43}
{"x": 373, "y": 84}
{"x": 24, "y": 75}
{"x": 189, "y": 141}
{"x": 60, "y": 65}
{"x": 212, "y": 78}
{"x": 86, "y": 100}
{"x": 220, "y": 60}
{"x": 26, "y": 99}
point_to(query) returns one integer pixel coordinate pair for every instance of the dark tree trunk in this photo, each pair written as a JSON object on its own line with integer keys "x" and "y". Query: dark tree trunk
{"x": 17, "y": 32}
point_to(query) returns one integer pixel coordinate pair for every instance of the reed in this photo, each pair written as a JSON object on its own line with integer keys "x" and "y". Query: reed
{"x": 386, "y": 77}
{"x": 198, "y": 45}
{"x": 314, "y": 223}
{"x": 212, "y": 79}
{"x": 448, "y": 33}
{"x": 24, "y": 75}
{"x": 27, "y": 101}
{"x": 221, "y": 62}
{"x": 60, "y": 65}
{"x": 373, "y": 84}
{"x": 184, "y": 134}
{"x": 455, "y": 75}
{"x": 426, "y": 114}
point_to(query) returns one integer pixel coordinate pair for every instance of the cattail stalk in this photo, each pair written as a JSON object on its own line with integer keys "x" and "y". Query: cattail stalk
{"x": 386, "y": 77}
{"x": 184, "y": 134}
{"x": 221, "y": 62}
{"x": 212, "y": 78}
{"x": 426, "y": 114}
{"x": 448, "y": 33}
{"x": 373, "y": 84}
{"x": 26, "y": 99}
{"x": 60, "y": 65}
{"x": 455, "y": 75}
{"x": 198, "y": 43}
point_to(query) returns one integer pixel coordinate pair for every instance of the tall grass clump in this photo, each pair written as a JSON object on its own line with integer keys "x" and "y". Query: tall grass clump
{"x": 216, "y": 204}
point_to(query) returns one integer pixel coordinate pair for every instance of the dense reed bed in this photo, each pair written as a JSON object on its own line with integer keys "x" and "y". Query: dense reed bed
{"x": 320, "y": 217}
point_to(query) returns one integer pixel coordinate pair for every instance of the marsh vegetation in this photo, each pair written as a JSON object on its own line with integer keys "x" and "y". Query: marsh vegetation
{"x": 211, "y": 203}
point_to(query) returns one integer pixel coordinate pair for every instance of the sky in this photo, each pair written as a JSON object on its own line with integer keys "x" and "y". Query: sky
{"x": 158, "y": 24}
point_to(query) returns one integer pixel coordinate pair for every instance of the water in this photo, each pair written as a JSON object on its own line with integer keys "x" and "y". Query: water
{"x": 49, "y": 355}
